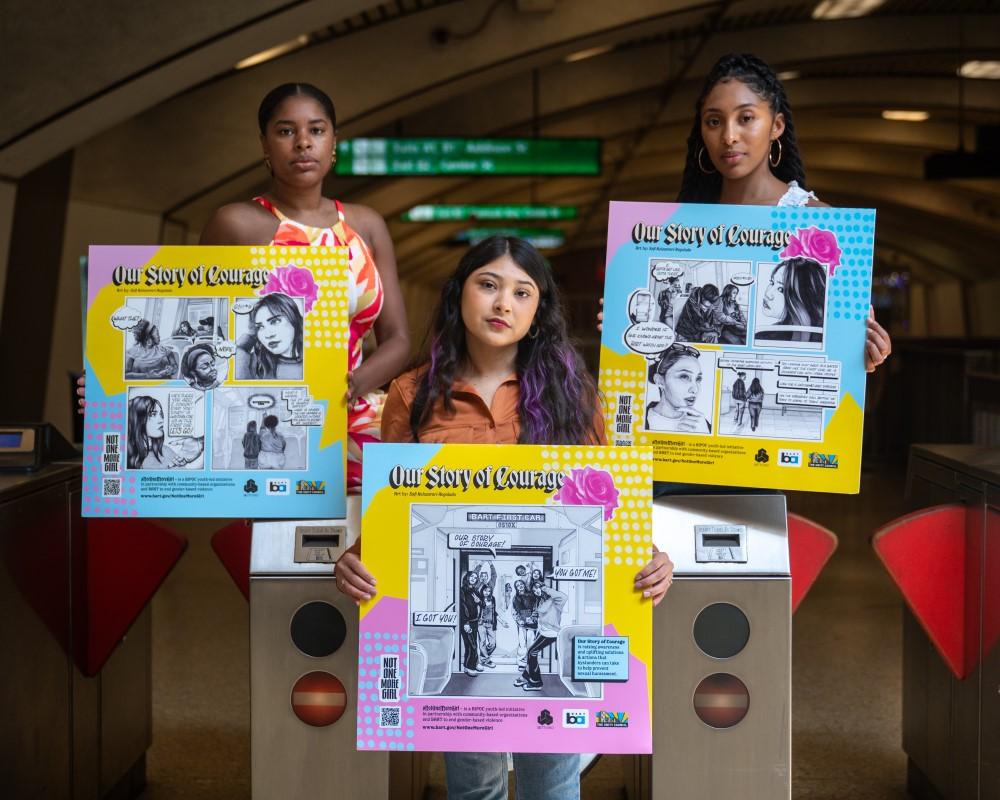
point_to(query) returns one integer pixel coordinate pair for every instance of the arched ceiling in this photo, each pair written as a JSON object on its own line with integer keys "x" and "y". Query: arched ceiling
{"x": 169, "y": 127}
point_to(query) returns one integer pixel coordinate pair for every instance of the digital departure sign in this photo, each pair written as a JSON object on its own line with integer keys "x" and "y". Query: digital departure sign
{"x": 512, "y": 213}
{"x": 404, "y": 157}
{"x": 542, "y": 238}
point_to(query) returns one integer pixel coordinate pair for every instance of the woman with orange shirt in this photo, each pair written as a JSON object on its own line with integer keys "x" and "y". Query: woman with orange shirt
{"x": 501, "y": 370}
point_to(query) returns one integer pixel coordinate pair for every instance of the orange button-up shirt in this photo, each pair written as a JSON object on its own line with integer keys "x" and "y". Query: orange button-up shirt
{"x": 472, "y": 421}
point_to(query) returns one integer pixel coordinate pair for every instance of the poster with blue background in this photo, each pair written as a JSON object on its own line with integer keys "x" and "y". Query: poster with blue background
{"x": 733, "y": 341}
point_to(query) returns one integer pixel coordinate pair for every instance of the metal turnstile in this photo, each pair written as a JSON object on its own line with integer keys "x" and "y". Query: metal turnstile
{"x": 304, "y": 672}
{"x": 721, "y": 652}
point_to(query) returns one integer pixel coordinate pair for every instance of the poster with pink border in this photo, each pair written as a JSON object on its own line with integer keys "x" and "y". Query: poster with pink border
{"x": 506, "y": 618}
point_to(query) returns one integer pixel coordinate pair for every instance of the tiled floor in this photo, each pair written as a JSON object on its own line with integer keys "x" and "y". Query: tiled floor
{"x": 846, "y": 676}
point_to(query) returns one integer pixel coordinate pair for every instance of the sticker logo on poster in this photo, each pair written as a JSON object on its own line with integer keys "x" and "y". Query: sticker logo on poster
{"x": 789, "y": 458}
{"x": 310, "y": 487}
{"x": 611, "y": 719}
{"x": 278, "y": 487}
{"x": 575, "y": 718}
{"x": 824, "y": 460}
{"x": 388, "y": 682}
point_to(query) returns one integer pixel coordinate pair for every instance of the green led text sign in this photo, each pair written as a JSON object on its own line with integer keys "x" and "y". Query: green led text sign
{"x": 542, "y": 238}
{"x": 398, "y": 157}
{"x": 461, "y": 213}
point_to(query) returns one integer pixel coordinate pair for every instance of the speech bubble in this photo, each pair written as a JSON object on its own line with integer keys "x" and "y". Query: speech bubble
{"x": 435, "y": 619}
{"x": 226, "y": 349}
{"x": 260, "y": 401}
{"x": 485, "y": 540}
{"x": 649, "y": 338}
{"x": 746, "y": 363}
{"x": 568, "y": 573}
{"x": 742, "y": 279}
{"x": 666, "y": 270}
{"x": 125, "y": 318}
{"x": 242, "y": 305}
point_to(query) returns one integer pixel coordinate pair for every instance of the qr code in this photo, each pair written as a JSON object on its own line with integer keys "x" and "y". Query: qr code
{"x": 112, "y": 487}
{"x": 388, "y": 717}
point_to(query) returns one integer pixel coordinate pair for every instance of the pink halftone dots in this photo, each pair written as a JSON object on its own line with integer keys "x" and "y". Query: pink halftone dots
{"x": 131, "y": 501}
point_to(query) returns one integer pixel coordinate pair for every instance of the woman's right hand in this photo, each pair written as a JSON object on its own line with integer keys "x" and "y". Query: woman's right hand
{"x": 352, "y": 578}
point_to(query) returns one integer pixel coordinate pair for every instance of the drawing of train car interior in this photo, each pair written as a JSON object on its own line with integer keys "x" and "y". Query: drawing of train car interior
{"x": 506, "y": 548}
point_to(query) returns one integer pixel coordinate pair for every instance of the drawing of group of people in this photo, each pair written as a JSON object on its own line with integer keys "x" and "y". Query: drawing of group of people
{"x": 527, "y": 622}
{"x": 708, "y": 316}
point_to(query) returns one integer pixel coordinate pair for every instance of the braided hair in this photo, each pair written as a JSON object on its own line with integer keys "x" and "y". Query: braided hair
{"x": 696, "y": 186}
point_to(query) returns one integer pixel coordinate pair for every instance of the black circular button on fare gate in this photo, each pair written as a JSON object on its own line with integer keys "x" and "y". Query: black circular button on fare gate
{"x": 318, "y": 629}
{"x": 721, "y": 630}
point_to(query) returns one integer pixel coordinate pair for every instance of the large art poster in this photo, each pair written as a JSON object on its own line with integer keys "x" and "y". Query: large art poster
{"x": 215, "y": 382}
{"x": 733, "y": 341}
{"x": 506, "y": 618}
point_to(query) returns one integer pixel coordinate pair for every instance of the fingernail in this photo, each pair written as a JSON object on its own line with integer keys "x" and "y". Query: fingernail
{"x": 645, "y": 594}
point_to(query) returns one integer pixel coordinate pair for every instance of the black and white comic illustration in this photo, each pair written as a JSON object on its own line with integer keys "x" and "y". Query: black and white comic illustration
{"x": 161, "y": 330}
{"x": 166, "y": 428}
{"x": 791, "y": 304}
{"x": 680, "y": 390}
{"x": 775, "y": 396}
{"x": 704, "y": 302}
{"x": 269, "y": 338}
{"x": 262, "y": 428}
{"x": 497, "y": 596}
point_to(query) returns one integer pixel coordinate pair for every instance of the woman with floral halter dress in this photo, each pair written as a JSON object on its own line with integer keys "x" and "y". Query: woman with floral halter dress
{"x": 298, "y": 136}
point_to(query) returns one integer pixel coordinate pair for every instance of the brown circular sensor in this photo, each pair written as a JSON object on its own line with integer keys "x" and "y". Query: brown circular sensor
{"x": 721, "y": 630}
{"x": 319, "y": 699}
{"x": 318, "y": 629}
{"x": 721, "y": 700}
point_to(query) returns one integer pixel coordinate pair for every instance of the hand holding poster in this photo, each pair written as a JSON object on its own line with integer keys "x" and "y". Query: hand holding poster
{"x": 506, "y": 617}
{"x": 733, "y": 341}
{"x": 216, "y": 378}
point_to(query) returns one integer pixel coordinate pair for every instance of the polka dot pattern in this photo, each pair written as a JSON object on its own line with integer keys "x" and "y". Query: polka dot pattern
{"x": 850, "y": 285}
{"x": 105, "y": 418}
{"x": 327, "y": 324}
{"x": 370, "y": 735}
{"x": 632, "y": 470}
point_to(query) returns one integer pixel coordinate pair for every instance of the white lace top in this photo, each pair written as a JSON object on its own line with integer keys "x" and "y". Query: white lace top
{"x": 796, "y": 196}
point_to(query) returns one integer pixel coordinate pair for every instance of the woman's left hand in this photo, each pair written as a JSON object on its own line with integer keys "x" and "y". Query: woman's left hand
{"x": 656, "y": 577}
{"x": 878, "y": 345}
{"x": 349, "y": 396}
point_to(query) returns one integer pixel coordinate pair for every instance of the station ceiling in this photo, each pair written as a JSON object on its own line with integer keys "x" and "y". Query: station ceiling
{"x": 147, "y": 95}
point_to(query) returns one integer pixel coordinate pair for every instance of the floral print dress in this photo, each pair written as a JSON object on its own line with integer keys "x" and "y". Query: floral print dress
{"x": 365, "y": 299}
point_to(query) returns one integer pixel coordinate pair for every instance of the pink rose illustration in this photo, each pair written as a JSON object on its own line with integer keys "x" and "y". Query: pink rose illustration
{"x": 293, "y": 281}
{"x": 814, "y": 243}
{"x": 589, "y": 487}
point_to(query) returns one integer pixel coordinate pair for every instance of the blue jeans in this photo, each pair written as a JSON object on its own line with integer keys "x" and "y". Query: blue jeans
{"x": 540, "y": 776}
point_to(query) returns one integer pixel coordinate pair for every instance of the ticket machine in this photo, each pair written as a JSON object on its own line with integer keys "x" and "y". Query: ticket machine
{"x": 721, "y": 652}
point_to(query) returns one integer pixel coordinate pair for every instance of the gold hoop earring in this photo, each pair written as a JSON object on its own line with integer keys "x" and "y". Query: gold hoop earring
{"x": 533, "y": 335}
{"x": 774, "y": 161}
{"x": 333, "y": 159}
{"x": 267, "y": 165}
{"x": 702, "y": 166}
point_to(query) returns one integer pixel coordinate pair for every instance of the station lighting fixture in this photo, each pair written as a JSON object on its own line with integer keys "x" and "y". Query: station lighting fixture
{"x": 788, "y": 75}
{"x": 273, "y": 52}
{"x": 590, "y": 52}
{"x": 843, "y": 9}
{"x": 980, "y": 69}
{"x": 507, "y": 213}
{"x": 900, "y": 115}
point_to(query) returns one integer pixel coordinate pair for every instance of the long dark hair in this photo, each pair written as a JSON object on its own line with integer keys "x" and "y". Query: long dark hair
{"x": 696, "y": 186}
{"x": 275, "y": 97}
{"x": 805, "y": 291}
{"x": 265, "y": 363}
{"x": 558, "y": 399}
{"x": 139, "y": 444}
